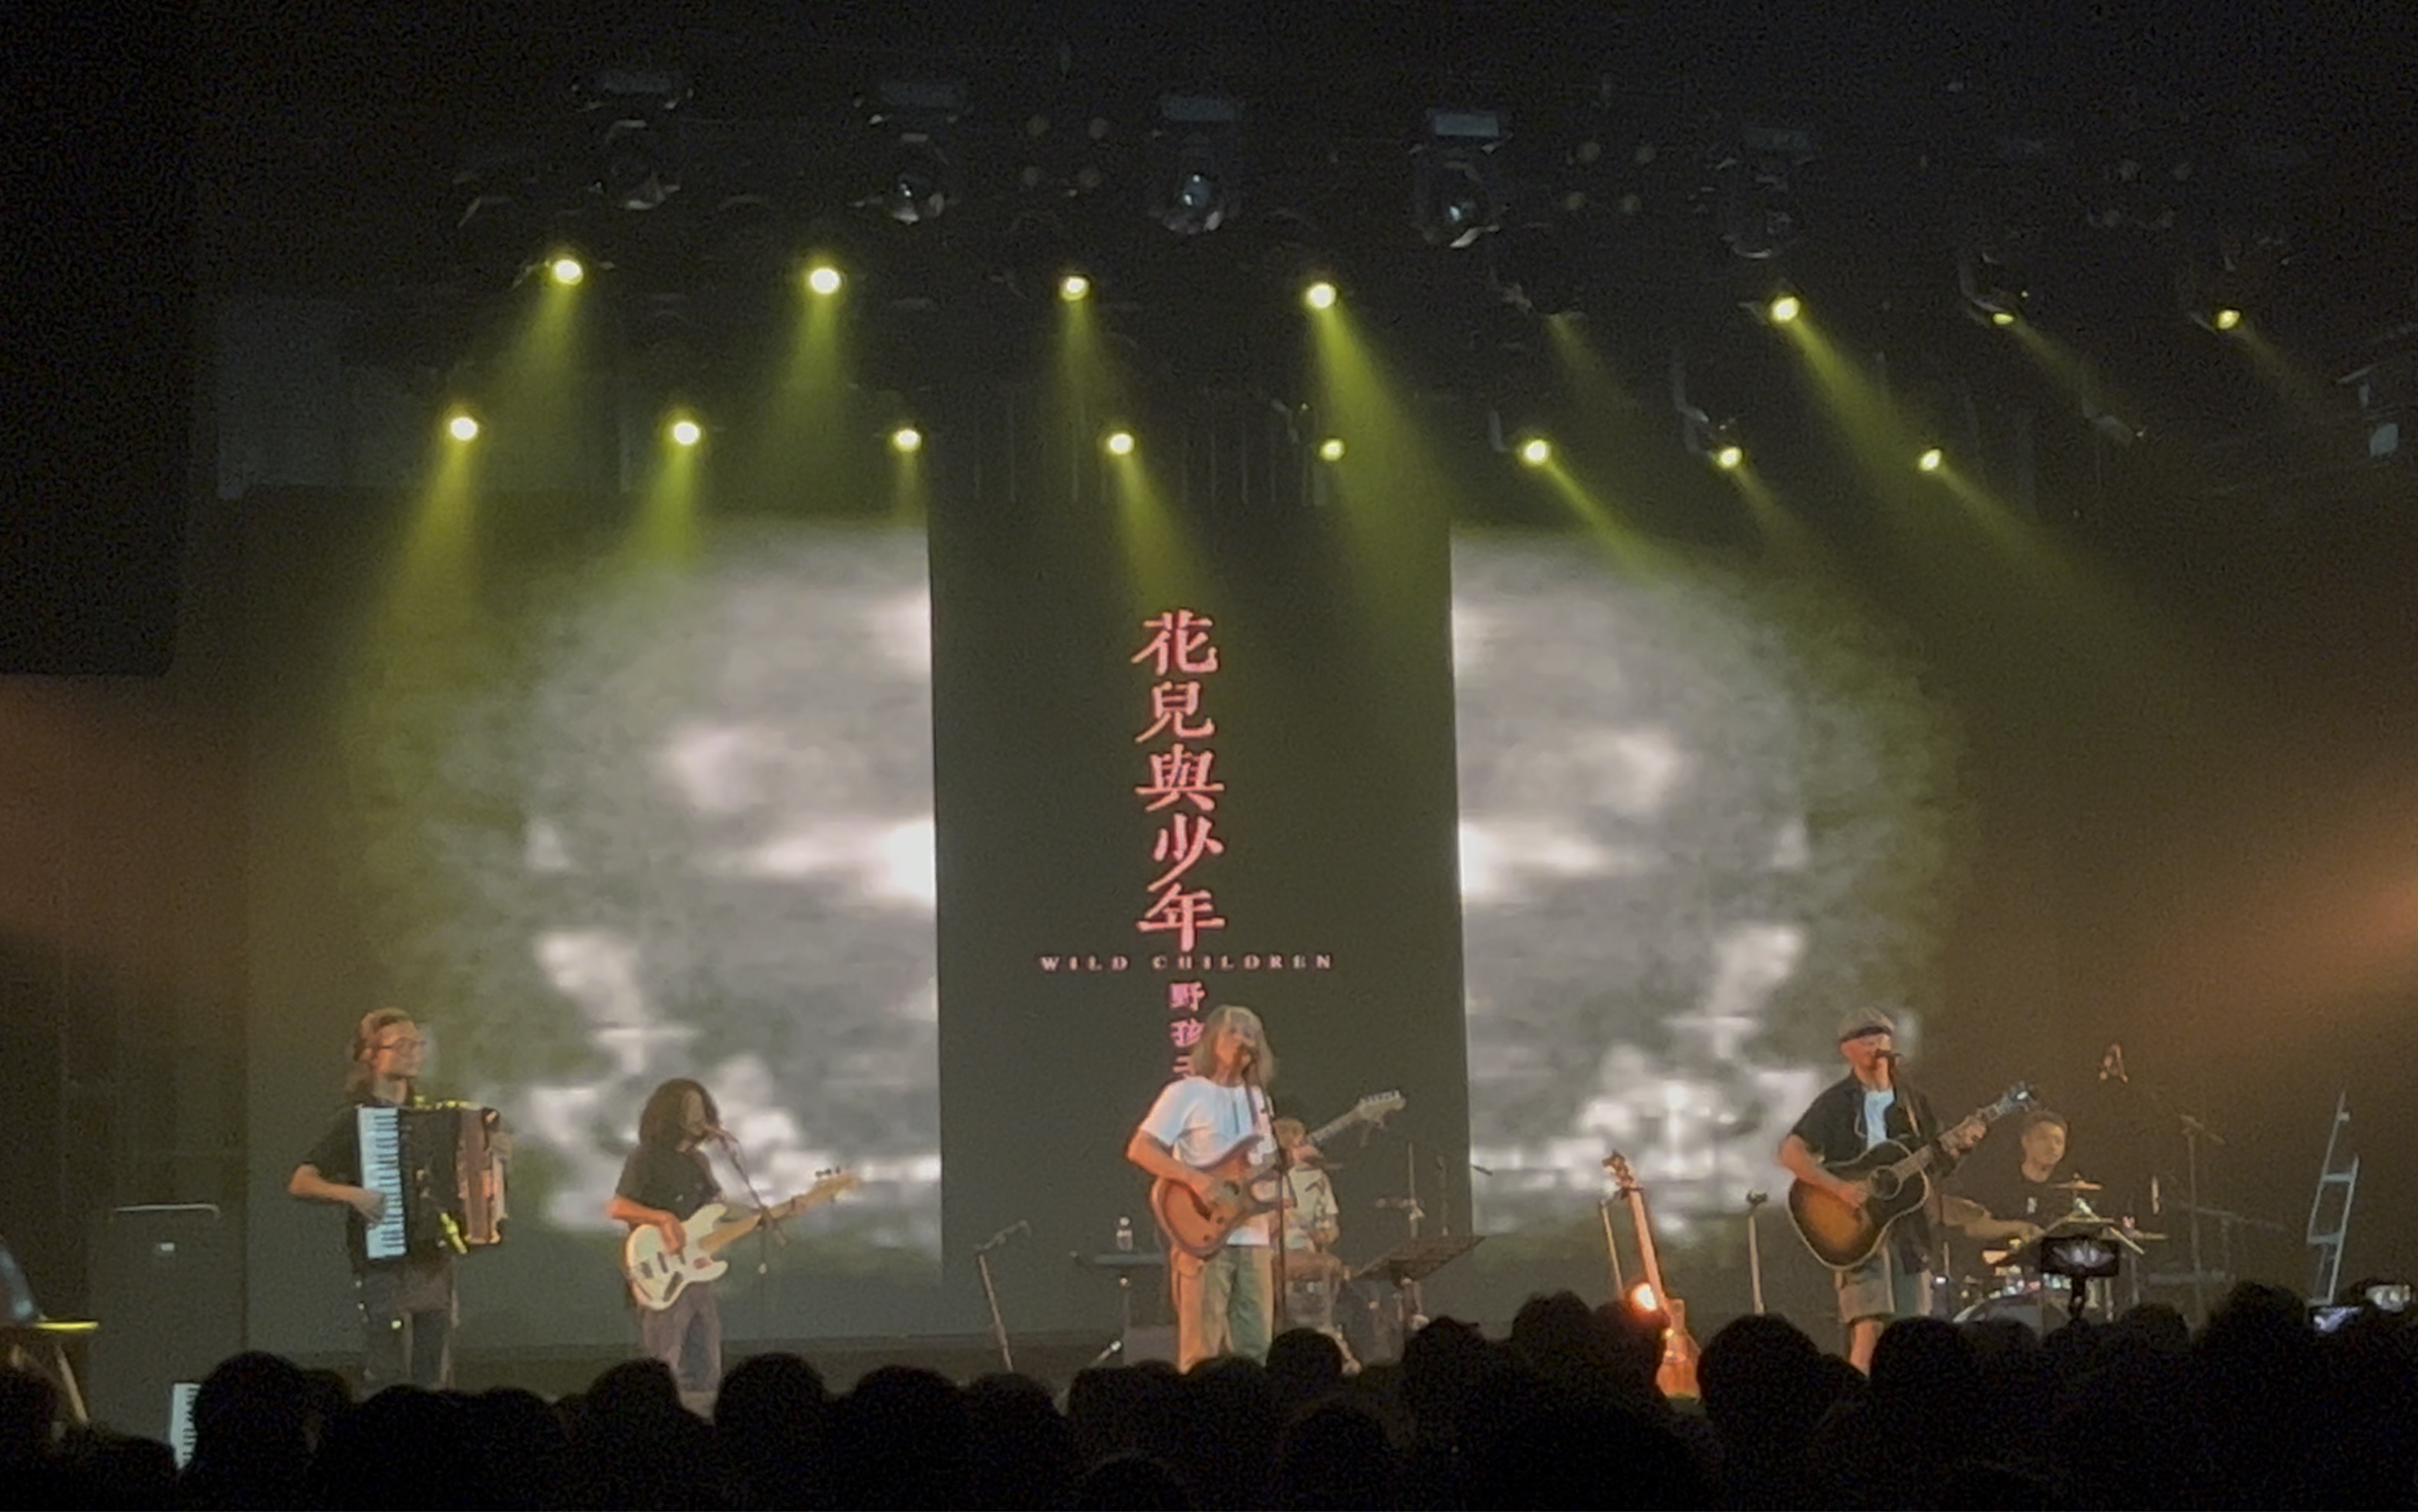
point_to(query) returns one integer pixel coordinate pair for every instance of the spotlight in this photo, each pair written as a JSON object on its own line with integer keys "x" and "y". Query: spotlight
{"x": 637, "y": 153}
{"x": 1318, "y": 295}
{"x": 566, "y": 270}
{"x": 1331, "y": 449}
{"x": 824, "y": 279}
{"x": 1990, "y": 284}
{"x": 1536, "y": 451}
{"x": 2227, "y": 318}
{"x": 686, "y": 431}
{"x": 1458, "y": 201}
{"x": 1120, "y": 443}
{"x": 1730, "y": 457}
{"x": 1074, "y": 287}
{"x": 462, "y": 426}
{"x": 921, "y": 180}
{"x": 1932, "y": 460}
{"x": 1198, "y": 187}
{"x": 905, "y": 440}
{"x": 1784, "y": 308}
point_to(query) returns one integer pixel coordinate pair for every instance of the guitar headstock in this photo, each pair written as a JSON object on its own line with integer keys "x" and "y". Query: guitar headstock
{"x": 1373, "y": 1107}
{"x": 2018, "y": 1096}
{"x": 1622, "y": 1176}
{"x": 828, "y": 1185}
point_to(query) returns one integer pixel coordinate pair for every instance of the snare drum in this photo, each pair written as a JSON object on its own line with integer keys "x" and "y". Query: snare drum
{"x": 2038, "y": 1303}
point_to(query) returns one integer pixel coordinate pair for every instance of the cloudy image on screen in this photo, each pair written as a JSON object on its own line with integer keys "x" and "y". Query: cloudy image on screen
{"x": 1700, "y": 817}
{"x": 677, "y": 821}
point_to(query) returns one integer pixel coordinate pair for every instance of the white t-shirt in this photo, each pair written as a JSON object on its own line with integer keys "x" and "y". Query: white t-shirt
{"x": 1201, "y": 1120}
{"x": 1877, "y": 1107}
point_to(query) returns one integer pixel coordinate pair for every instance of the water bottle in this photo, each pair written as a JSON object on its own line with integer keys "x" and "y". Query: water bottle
{"x": 1124, "y": 1236}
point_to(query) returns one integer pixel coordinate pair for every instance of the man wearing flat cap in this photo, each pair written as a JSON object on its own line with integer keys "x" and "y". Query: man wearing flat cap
{"x": 1861, "y": 1109}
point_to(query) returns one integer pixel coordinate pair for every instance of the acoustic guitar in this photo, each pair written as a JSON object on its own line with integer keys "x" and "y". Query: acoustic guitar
{"x": 1895, "y": 1179}
{"x": 658, "y": 1275}
{"x": 1676, "y": 1375}
{"x": 1244, "y": 1188}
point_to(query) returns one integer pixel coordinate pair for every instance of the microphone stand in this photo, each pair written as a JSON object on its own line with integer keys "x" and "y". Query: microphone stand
{"x": 1279, "y": 1270}
{"x": 990, "y": 1292}
{"x": 1908, "y": 1099}
{"x": 1754, "y": 1202}
{"x": 768, "y": 1233}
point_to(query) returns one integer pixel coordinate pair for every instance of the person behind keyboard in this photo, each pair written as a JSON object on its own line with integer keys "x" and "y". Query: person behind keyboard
{"x": 406, "y": 1305}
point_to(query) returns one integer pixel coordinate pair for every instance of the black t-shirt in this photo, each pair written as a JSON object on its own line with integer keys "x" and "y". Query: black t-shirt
{"x": 1832, "y": 1127}
{"x": 677, "y": 1181}
{"x": 337, "y": 1156}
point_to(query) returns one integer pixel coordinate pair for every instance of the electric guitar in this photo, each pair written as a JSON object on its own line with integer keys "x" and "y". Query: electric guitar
{"x": 1895, "y": 1179}
{"x": 1199, "y": 1225}
{"x": 658, "y": 1273}
{"x": 1676, "y": 1375}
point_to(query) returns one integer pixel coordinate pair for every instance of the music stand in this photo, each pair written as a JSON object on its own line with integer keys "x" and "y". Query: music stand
{"x": 31, "y": 1341}
{"x": 1411, "y": 1262}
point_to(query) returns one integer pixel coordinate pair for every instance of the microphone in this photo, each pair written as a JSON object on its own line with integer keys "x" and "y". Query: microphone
{"x": 717, "y": 1133}
{"x": 1886, "y": 1055}
{"x": 1020, "y": 1226}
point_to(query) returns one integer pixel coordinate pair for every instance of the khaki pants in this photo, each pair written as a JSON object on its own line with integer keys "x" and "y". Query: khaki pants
{"x": 1223, "y": 1304}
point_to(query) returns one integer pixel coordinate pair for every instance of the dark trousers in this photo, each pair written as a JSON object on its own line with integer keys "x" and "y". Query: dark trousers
{"x": 687, "y": 1335}
{"x": 407, "y": 1315}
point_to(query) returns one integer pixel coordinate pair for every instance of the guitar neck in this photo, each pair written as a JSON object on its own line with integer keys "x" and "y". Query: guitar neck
{"x": 1645, "y": 1255}
{"x": 1329, "y": 1129}
{"x": 731, "y": 1233}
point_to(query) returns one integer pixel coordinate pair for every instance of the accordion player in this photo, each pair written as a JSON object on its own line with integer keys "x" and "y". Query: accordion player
{"x": 437, "y": 1166}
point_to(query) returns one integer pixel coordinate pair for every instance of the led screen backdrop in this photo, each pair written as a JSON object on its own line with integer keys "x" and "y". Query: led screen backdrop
{"x": 1077, "y": 690}
{"x": 601, "y": 822}
{"x": 1702, "y": 814}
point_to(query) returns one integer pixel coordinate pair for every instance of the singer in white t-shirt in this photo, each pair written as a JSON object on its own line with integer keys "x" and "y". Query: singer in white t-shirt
{"x": 1223, "y": 1304}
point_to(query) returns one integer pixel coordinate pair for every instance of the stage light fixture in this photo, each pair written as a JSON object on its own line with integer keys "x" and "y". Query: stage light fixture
{"x": 462, "y": 426}
{"x": 1456, "y": 197}
{"x": 1729, "y": 457}
{"x": 1989, "y": 285}
{"x": 1319, "y": 295}
{"x": 1932, "y": 460}
{"x": 905, "y": 440}
{"x": 1119, "y": 443}
{"x": 920, "y": 179}
{"x": 2226, "y": 318}
{"x": 824, "y": 279}
{"x": 1784, "y": 308}
{"x": 685, "y": 432}
{"x": 1074, "y": 287}
{"x": 1198, "y": 186}
{"x": 1331, "y": 449}
{"x": 637, "y": 153}
{"x": 1536, "y": 451}
{"x": 566, "y": 269}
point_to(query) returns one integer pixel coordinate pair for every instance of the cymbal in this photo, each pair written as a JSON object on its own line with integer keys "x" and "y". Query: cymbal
{"x": 2078, "y": 1184}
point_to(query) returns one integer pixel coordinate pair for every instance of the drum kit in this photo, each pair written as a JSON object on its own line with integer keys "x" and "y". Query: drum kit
{"x": 2019, "y": 1288}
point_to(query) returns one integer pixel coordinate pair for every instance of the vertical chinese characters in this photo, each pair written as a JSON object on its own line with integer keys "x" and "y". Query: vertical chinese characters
{"x": 1183, "y": 788}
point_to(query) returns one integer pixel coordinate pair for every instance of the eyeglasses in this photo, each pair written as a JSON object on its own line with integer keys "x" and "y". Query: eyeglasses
{"x": 414, "y": 1043}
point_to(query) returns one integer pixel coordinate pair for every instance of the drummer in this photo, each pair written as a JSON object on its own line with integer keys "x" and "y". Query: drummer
{"x": 2005, "y": 1205}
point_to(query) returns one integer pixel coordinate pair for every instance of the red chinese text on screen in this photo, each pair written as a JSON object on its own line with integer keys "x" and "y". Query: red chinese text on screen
{"x": 1184, "y": 913}
{"x": 1179, "y": 642}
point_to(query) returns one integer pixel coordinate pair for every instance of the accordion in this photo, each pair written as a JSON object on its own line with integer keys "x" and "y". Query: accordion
{"x": 437, "y": 1168}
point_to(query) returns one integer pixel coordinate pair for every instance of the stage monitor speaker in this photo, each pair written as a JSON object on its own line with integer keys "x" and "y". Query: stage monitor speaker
{"x": 167, "y": 1289}
{"x": 1148, "y": 1341}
